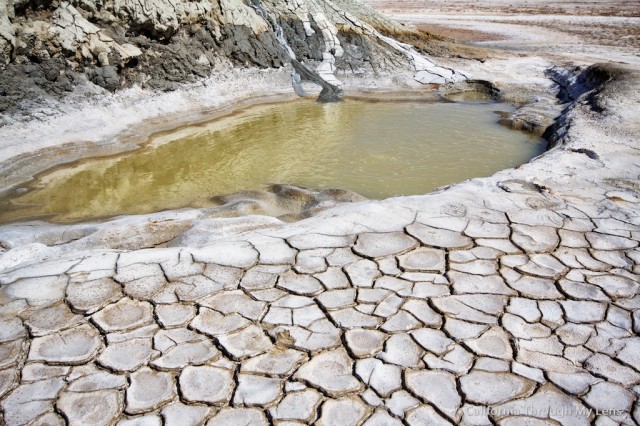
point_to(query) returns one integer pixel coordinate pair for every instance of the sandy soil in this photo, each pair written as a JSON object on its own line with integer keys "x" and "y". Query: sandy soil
{"x": 583, "y": 32}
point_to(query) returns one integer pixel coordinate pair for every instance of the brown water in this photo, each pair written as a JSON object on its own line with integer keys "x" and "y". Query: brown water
{"x": 375, "y": 149}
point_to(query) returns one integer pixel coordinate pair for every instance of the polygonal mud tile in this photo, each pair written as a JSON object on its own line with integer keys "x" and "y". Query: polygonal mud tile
{"x": 11, "y": 329}
{"x": 248, "y": 342}
{"x": 312, "y": 261}
{"x": 71, "y": 347}
{"x": 382, "y": 418}
{"x": 494, "y": 343}
{"x": 437, "y": 237}
{"x": 303, "y": 285}
{"x": 128, "y": 355}
{"x": 257, "y": 390}
{"x": 90, "y": 296}
{"x": 238, "y": 416}
{"x": 89, "y": 378}
{"x": 400, "y": 402}
{"x": 330, "y": 371}
{"x": 362, "y": 273}
{"x": 470, "y": 284}
{"x": 238, "y": 254}
{"x": 437, "y": 388}
{"x": 458, "y": 360}
{"x": 175, "y": 314}
{"x": 364, "y": 343}
{"x": 211, "y": 385}
{"x": 422, "y": 311}
{"x": 311, "y": 241}
{"x": 51, "y": 319}
{"x": 493, "y": 388}
{"x": 535, "y": 239}
{"x": 351, "y": 318}
{"x": 579, "y": 311}
{"x": 42, "y": 291}
{"x": 400, "y": 349}
{"x": 434, "y": 341}
{"x": 126, "y": 314}
{"x": 29, "y": 401}
{"x": 603, "y": 366}
{"x": 182, "y": 355}
{"x": 343, "y": 412}
{"x": 423, "y": 259}
{"x": 214, "y": 323}
{"x": 549, "y": 402}
{"x": 383, "y": 378}
{"x": 10, "y": 352}
{"x": 377, "y": 245}
{"x": 94, "y": 408}
{"x": 277, "y": 361}
{"x": 336, "y": 299}
{"x": 187, "y": 415}
{"x": 425, "y": 415}
{"x": 149, "y": 390}
{"x": 7, "y": 379}
{"x": 299, "y": 406}
{"x": 34, "y": 372}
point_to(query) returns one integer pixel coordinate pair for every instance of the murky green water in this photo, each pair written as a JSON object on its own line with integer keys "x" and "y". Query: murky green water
{"x": 375, "y": 149}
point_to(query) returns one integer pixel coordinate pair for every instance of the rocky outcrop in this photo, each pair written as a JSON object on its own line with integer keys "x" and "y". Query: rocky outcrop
{"x": 49, "y": 48}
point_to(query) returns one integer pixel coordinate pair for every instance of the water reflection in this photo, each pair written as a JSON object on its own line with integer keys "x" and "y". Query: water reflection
{"x": 375, "y": 149}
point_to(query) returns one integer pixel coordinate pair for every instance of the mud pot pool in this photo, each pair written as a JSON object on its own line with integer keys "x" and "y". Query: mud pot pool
{"x": 376, "y": 149}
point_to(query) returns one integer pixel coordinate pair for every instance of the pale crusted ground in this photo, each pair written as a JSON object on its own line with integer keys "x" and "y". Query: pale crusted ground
{"x": 508, "y": 300}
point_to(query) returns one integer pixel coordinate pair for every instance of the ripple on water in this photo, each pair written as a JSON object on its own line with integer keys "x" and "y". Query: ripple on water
{"x": 377, "y": 149}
